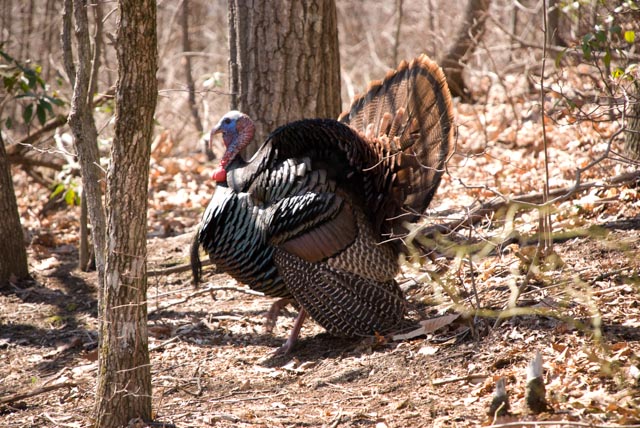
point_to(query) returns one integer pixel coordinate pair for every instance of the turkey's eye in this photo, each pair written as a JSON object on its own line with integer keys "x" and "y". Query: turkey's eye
{"x": 227, "y": 121}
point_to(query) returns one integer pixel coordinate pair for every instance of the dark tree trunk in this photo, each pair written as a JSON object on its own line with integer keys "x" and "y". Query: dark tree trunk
{"x": 284, "y": 61}
{"x": 13, "y": 254}
{"x": 124, "y": 375}
{"x": 470, "y": 32}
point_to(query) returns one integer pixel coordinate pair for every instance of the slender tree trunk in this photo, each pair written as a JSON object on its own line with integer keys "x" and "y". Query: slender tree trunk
{"x": 82, "y": 123}
{"x": 396, "y": 37}
{"x": 85, "y": 256}
{"x": 124, "y": 375}
{"x": 553, "y": 24}
{"x": 191, "y": 87}
{"x": 186, "y": 48}
{"x": 234, "y": 59}
{"x": 285, "y": 62}
{"x": 632, "y": 131}
{"x": 13, "y": 254}
{"x": 83, "y": 246}
{"x": 470, "y": 32}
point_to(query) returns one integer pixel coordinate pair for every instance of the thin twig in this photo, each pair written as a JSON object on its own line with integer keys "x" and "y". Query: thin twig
{"x": 163, "y": 344}
{"x": 58, "y": 423}
{"x": 545, "y": 217}
{"x": 558, "y": 49}
{"x": 208, "y": 289}
{"x": 174, "y": 269}
{"x": 37, "y": 391}
{"x": 240, "y": 400}
{"x": 466, "y": 378}
{"x": 530, "y": 201}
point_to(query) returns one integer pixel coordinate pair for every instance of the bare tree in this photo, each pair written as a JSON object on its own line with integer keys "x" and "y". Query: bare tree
{"x": 553, "y": 24}
{"x": 83, "y": 79}
{"x": 13, "y": 254}
{"x": 284, "y": 61}
{"x": 124, "y": 375}
{"x": 470, "y": 32}
{"x": 186, "y": 47}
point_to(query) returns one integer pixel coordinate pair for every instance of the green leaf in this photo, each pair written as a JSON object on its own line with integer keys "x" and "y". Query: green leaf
{"x": 630, "y": 36}
{"x": 8, "y": 123}
{"x": 9, "y": 82}
{"x": 559, "y": 57}
{"x": 24, "y": 86}
{"x": 25, "y": 95}
{"x": 615, "y": 29}
{"x": 70, "y": 197}
{"x": 58, "y": 189}
{"x": 617, "y": 72}
{"x": 33, "y": 81}
{"x": 27, "y": 113}
{"x": 601, "y": 36}
{"x": 54, "y": 100}
{"x": 41, "y": 113}
{"x": 586, "y": 51}
{"x": 46, "y": 104}
{"x": 6, "y": 56}
{"x": 607, "y": 58}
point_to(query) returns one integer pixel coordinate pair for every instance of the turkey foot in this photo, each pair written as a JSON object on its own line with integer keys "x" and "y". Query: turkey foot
{"x": 293, "y": 336}
{"x": 274, "y": 312}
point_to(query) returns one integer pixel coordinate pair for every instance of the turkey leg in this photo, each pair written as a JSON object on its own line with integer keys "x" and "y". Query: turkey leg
{"x": 274, "y": 312}
{"x": 295, "y": 332}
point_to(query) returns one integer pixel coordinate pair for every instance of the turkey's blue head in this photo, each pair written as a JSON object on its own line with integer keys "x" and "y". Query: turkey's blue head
{"x": 237, "y": 131}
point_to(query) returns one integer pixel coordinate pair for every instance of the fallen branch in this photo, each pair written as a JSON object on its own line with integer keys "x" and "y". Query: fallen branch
{"x": 466, "y": 378}
{"x": 534, "y": 200}
{"x": 29, "y": 162}
{"x": 22, "y": 395}
{"x": 174, "y": 269}
{"x": 242, "y": 400}
{"x": 16, "y": 153}
{"x": 209, "y": 288}
{"x": 25, "y": 143}
{"x": 57, "y": 423}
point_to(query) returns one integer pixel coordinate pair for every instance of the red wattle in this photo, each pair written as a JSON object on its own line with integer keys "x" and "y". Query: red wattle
{"x": 219, "y": 175}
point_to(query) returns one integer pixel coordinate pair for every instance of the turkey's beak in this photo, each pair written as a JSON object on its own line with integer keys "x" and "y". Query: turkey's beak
{"x": 214, "y": 131}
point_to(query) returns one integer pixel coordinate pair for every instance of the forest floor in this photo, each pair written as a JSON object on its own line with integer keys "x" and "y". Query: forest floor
{"x": 212, "y": 363}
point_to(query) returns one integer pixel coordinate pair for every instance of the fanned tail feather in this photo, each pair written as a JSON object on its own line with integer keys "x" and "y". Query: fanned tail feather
{"x": 409, "y": 117}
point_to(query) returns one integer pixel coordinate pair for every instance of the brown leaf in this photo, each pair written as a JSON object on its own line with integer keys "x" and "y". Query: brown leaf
{"x": 159, "y": 331}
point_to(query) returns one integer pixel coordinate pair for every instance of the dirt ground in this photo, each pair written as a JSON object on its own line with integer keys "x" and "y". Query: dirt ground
{"x": 213, "y": 364}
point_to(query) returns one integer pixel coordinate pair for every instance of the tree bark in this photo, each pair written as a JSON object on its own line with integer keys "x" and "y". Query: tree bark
{"x": 553, "y": 24}
{"x": 82, "y": 123}
{"x": 284, "y": 62}
{"x": 470, "y": 32}
{"x": 13, "y": 254}
{"x": 191, "y": 86}
{"x": 124, "y": 376}
{"x": 632, "y": 131}
{"x": 396, "y": 37}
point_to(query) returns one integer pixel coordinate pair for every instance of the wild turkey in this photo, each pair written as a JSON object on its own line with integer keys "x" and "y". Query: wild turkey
{"x": 313, "y": 214}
